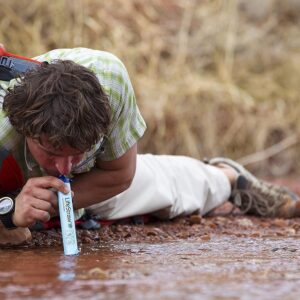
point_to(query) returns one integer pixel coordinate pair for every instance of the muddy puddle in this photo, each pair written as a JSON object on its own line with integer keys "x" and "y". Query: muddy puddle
{"x": 223, "y": 267}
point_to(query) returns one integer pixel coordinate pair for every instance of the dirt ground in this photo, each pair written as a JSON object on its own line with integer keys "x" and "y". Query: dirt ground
{"x": 223, "y": 221}
{"x": 192, "y": 227}
{"x": 226, "y": 255}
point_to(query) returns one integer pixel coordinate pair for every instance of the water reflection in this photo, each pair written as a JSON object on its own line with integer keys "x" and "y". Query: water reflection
{"x": 176, "y": 270}
{"x": 66, "y": 267}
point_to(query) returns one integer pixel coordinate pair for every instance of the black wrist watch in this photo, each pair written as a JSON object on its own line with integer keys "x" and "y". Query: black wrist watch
{"x": 7, "y": 208}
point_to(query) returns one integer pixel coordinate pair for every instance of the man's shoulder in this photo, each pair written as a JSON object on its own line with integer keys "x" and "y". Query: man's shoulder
{"x": 109, "y": 69}
{"x": 83, "y": 56}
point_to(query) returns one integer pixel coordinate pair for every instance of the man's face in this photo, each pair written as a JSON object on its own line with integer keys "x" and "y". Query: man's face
{"x": 54, "y": 162}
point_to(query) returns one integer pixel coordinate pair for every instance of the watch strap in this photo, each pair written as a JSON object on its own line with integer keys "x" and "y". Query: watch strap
{"x": 7, "y": 221}
{"x": 7, "y": 218}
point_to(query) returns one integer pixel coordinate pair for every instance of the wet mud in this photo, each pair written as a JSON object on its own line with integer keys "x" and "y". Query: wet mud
{"x": 232, "y": 257}
{"x": 223, "y": 256}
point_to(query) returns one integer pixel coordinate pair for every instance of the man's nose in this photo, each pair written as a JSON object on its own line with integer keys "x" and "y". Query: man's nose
{"x": 64, "y": 165}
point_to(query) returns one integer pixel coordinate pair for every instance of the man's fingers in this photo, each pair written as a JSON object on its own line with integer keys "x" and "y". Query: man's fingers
{"x": 40, "y": 215}
{"x": 47, "y": 182}
{"x": 46, "y": 195}
{"x": 42, "y": 205}
{"x": 32, "y": 215}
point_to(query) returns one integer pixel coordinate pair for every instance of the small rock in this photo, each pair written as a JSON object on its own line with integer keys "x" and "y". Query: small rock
{"x": 213, "y": 225}
{"x": 293, "y": 250}
{"x": 94, "y": 273}
{"x": 245, "y": 222}
{"x": 290, "y": 231}
{"x": 205, "y": 237}
{"x": 255, "y": 234}
{"x": 97, "y": 273}
{"x": 87, "y": 240}
{"x": 279, "y": 222}
{"x": 156, "y": 232}
{"x": 280, "y": 233}
{"x": 195, "y": 219}
{"x": 127, "y": 235}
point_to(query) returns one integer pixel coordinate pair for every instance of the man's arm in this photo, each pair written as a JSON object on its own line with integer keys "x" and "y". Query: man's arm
{"x": 107, "y": 179}
{"x": 37, "y": 202}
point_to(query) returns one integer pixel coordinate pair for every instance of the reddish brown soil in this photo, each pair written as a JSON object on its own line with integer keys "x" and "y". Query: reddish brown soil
{"x": 223, "y": 221}
{"x": 192, "y": 227}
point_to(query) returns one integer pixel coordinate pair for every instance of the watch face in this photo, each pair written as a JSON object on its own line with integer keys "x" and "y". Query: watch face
{"x": 6, "y": 205}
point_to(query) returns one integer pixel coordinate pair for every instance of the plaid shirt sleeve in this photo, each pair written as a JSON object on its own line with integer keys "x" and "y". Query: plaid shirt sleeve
{"x": 7, "y": 133}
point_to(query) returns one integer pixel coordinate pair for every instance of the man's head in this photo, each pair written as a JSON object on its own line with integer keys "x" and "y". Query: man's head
{"x": 62, "y": 103}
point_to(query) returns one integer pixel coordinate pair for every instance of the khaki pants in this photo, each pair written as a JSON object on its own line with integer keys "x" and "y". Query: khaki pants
{"x": 167, "y": 186}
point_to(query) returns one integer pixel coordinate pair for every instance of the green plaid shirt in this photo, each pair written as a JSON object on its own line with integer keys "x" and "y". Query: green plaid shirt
{"x": 127, "y": 125}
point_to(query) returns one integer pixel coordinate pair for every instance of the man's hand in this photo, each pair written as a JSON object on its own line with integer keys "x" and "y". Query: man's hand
{"x": 37, "y": 201}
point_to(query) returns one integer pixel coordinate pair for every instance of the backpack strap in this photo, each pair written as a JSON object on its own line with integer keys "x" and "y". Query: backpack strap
{"x": 11, "y": 65}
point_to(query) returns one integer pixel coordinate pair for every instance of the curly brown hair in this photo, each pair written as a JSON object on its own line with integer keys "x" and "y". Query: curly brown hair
{"x": 62, "y": 100}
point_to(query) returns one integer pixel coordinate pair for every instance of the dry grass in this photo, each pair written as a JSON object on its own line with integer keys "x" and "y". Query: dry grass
{"x": 211, "y": 77}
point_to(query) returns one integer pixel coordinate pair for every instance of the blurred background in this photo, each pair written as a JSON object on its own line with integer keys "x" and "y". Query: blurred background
{"x": 211, "y": 77}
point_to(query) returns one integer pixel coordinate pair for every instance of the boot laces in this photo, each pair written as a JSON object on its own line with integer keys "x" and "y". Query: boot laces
{"x": 262, "y": 197}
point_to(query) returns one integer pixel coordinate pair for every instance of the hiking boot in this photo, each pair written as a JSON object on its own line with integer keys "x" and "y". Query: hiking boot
{"x": 18, "y": 236}
{"x": 257, "y": 197}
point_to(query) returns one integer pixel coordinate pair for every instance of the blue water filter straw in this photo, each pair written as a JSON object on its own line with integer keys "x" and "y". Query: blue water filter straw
{"x": 67, "y": 221}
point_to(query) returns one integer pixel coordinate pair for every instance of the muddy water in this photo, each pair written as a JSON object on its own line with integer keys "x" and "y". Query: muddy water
{"x": 224, "y": 267}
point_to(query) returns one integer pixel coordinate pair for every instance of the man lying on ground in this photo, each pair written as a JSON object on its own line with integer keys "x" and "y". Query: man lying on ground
{"x": 75, "y": 114}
